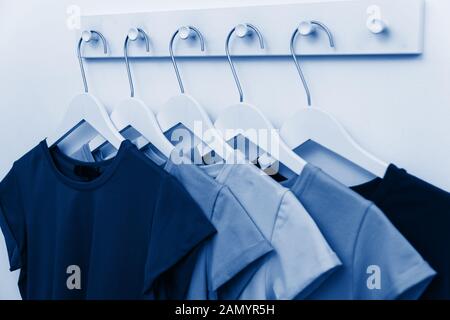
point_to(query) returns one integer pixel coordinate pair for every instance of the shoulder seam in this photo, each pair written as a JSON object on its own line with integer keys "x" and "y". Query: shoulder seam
{"x": 219, "y": 192}
{"x": 285, "y": 192}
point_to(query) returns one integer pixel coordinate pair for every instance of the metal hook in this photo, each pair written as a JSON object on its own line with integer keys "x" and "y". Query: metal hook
{"x": 88, "y": 36}
{"x": 241, "y": 30}
{"x": 134, "y": 34}
{"x": 306, "y": 28}
{"x": 185, "y": 33}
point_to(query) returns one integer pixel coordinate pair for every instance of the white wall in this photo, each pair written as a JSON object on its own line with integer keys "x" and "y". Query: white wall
{"x": 396, "y": 107}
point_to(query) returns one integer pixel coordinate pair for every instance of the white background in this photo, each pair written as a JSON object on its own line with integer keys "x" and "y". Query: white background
{"x": 398, "y": 108}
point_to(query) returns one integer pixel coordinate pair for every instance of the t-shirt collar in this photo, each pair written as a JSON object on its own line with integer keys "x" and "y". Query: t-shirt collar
{"x": 110, "y": 165}
{"x": 376, "y": 189}
{"x": 155, "y": 155}
{"x": 221, "y": 170}
{"x": 298, "y": 183}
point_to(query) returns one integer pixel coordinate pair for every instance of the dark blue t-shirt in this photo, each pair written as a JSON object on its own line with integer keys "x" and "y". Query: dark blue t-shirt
{"x": 116, "y": 229}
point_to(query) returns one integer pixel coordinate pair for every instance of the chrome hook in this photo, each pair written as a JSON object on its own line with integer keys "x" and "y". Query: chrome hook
{"x": 185, "y": 33}
{"x": 241, "y": 30}
{"x": 89, "y": 36}
{"x": 306, "y": 28}
{"x": 133, "y": 35}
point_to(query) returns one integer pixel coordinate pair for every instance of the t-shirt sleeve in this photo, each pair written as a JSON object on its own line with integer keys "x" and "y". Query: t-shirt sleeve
{"x": 303, "y": 257}
{"x": 179, "y": 226}
{"x": 12, "y": 220}
{"x": 385, "y": 265}
{"x": 238, "y": 242}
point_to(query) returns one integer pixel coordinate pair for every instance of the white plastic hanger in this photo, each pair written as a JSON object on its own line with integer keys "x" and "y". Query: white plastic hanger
{"x": 85, "y": 107}
{"x": 186, "y": 110}
{"x": 132, "y": 112}
{"x": 246, "y": 120}
{"x": 314, "y": 124}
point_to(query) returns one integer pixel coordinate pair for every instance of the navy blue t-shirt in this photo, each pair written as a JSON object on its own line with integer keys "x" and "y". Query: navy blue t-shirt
{"x": 421, "y": 212}
{"x": 116, "y": 229}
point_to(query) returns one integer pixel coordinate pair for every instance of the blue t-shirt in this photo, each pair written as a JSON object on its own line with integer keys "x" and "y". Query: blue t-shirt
{"x": 115, "y": 229}
{"x": 301, "y": 259}
{"x": 238, "y": 242}
{"x": 378, "y": 262}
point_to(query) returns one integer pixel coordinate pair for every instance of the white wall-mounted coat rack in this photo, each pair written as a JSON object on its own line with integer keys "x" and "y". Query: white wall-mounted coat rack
{"x": 360, "y": 27}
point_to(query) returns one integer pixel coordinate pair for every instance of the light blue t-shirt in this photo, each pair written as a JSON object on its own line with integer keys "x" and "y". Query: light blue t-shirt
{"x": 302, "y": 258}
{"x": 238, "y": 243}
{"x": 378, "y": 262}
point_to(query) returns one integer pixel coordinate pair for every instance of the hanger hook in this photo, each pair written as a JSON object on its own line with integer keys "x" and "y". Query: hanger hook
{"x": 134, "y": 34}
{"x": 89, "y": 36}
{"x": 241, "y": 30}
{"x": 185, "y": 33}
{"x": 306, "y": 28}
